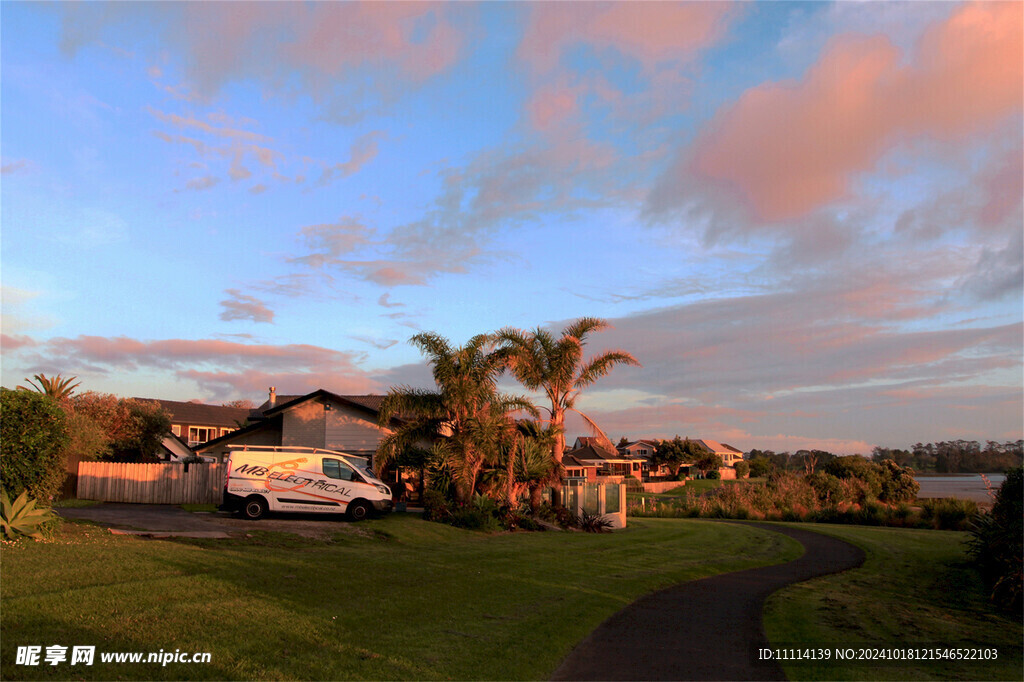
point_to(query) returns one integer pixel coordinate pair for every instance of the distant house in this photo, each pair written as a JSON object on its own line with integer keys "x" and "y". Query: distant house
{"x": 578, "y": 470}
{"x": 608, "y": 462}
{"x": 197, "y": 423}
{"x": 728, "y": 453}
{"x": 639, "y": 448}
{"x": 321, "y": 419}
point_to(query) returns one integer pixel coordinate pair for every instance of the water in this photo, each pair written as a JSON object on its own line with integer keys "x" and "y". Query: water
{"x": 964, "y": 486}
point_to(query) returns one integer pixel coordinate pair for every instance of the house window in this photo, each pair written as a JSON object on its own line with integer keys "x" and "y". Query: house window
{"x": 200, "y": 434}
{"x": 176, "y": 430}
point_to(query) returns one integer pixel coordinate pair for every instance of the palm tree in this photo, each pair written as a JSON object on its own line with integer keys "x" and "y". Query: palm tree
{"x": 555, "y": 366}
{"x": 56, "y": 387}
{"x": 466, "y": 412}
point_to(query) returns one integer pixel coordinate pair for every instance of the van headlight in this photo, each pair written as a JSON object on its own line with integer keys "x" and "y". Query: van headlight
{"x": 383, "y": 489}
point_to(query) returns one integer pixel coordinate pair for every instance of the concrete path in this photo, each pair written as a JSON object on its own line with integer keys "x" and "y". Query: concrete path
{"x": 706, "y": 629}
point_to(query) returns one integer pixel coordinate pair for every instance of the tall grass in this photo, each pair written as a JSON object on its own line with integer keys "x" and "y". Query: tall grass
{"x": 819, "y": 498}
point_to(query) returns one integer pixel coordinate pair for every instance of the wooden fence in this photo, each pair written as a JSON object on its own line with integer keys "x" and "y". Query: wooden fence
{"x": 165, "y": 483}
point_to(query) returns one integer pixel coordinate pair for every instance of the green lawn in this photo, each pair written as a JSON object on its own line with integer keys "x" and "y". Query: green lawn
{"x": 403, "y": 599}
{"x": 914, "y": 588}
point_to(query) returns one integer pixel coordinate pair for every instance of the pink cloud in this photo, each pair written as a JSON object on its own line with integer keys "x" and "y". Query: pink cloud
{"x": 649, "y": 31}
{"x": 242, "y": 307}
{"x": 221, "y": 367}
{"x": 789, "y": 147}
{"x": 363, "y": 150}
{"x": 549, "y": 106}
{"x": 12, "y": 342}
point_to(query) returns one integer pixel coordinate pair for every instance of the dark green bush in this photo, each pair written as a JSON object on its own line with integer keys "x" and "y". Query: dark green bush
{"x": 742, "y": 469}
{"x": 713, "y": 475}
{"x": 34, "y": 438}
{"x": 594, "y": 523}
{"x": 997, "y": 544}
{"x": 949, "y": 513}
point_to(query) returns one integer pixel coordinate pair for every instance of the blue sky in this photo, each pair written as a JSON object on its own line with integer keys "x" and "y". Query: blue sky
{"x": 804, "y": 219}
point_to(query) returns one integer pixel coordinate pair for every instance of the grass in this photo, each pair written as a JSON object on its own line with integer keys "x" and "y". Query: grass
{"x": 915, "y": 587}
{"x": 400, "y": 599}
{"x": 74, "y": 503}
{"x": 205, "y": 508}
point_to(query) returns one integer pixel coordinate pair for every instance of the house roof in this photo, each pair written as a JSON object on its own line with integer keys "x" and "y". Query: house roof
{"x": 201, "y": 414}
{"x": 265, "y": 414}
{"x": 719, "y": 448}
{"x": 370, "y": 403}
{"x": 570, "y": 460}
{"x": 643, "y": 441}
{"x": 598, "y": 454}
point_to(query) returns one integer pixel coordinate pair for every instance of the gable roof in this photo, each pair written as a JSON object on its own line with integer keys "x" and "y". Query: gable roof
{"x": 367, "y": 403}
{"x": 594, "y": 453}
{"x": 716, "y": 447}
{"x": 569, "y": 460}
{"x": 201, "y": 414}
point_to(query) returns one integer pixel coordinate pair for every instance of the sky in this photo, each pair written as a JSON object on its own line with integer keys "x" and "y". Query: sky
{"x": 803, "y": 219}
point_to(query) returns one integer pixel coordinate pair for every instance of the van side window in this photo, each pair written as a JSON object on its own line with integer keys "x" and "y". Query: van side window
{"x": 334, "y": 468}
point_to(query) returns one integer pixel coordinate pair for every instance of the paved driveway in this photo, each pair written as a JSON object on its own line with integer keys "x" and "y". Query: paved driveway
{"x": 165, "y": 519}
{"x": 706, "y": 629}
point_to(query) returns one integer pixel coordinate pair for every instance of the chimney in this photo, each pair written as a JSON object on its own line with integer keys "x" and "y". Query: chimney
{"x": 273, "y": 396}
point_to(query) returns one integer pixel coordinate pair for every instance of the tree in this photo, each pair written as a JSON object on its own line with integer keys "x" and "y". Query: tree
{"x": 556, "y": 367}
{"x": 465, "y": 416}
{"x": 708, "y": 461}
{"x": 134, "y": 429}
{"x": 760, "y": 466}
{"x": 675, "y": 453}
{"x": 56, "y": 387}
{"x": 34, "y": 435}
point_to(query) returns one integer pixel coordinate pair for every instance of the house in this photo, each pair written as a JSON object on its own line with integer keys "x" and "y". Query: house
{"x": 639, "y": 448}
{"x": 608, "y": 462}
{"x": 728, "y": 453}
{"x": 197, "y": 423}
{"x": 578, "y": 470}
{"x": 321, "y": 419}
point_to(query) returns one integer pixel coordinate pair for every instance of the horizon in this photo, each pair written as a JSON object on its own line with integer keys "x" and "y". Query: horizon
{"x": 804, "y": 219}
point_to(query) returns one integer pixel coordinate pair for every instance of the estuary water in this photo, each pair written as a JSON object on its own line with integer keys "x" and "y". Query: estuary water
{"x": 964, "y": 486}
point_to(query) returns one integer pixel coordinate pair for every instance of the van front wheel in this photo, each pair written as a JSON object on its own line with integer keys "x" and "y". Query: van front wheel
{"x": 255, "y": 507}
{"x": 358, "y": 510}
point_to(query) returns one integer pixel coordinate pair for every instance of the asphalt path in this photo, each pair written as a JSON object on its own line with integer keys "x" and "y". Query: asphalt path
{"x": 706, "y": 629}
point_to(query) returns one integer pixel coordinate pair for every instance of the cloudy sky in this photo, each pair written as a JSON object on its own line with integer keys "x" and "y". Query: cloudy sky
{"x": 805, "y": 220}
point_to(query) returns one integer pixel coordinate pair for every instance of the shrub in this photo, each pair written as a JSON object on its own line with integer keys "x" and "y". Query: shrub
{"x": 997, "y": 543}
{"x": 949, "y": 513}
{"x": 760, "y": 467}
{"x": 742, "y": 469}
{"x": 594, "y": 523}
{"x": 133, "y": 428}
{"x": 22, "y": 518}
{"x": 898, "y": 484}
{"x": 714, "y": 475}
{"x": 34, "y": 436}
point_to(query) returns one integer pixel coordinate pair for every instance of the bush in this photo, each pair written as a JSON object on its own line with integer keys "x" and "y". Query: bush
{"x": 134, "y": 429}
{"x": 742, "y": 469}
{"x": 713, "y": 475}
{"x": 594, "y": 523}
{"x": 22, "y": 518}
{"x": 997, "y": 544}
{"x": 34, "y": 436}
{"x": 760, "y": 467}
{"x": 949, "y": 513}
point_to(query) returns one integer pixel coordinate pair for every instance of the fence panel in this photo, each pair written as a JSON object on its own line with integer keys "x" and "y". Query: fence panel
{"x": 163, "y": 483}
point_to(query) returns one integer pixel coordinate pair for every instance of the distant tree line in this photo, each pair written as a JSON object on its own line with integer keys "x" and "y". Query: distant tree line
{"x": 945, "y": 457}
{"x": 957, "y": 456}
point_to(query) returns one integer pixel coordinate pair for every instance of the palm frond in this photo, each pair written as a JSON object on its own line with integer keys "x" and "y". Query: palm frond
{"x": 602, "y": 439}
{"x": 602, "y": 364}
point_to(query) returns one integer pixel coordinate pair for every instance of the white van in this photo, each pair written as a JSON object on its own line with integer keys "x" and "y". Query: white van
{"x": 290, "y": 479}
